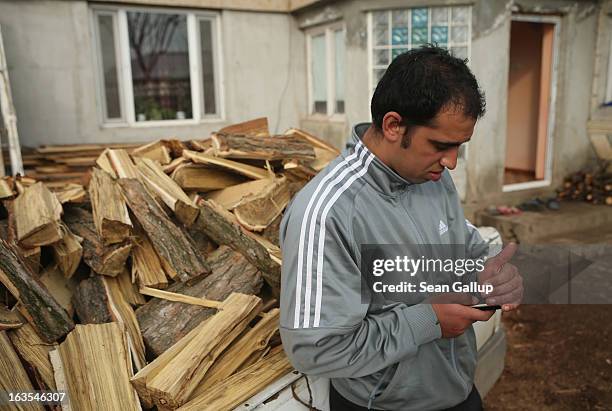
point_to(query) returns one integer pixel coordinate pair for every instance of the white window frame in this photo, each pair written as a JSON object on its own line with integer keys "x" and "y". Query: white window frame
{"x": 123, "y": 60}
{"x": 608, "y": 96}
{"x": 330, "y": 69}
{"x": 550, "y": 127}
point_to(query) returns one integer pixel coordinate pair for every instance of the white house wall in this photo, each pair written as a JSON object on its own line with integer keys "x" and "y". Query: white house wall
{"x": 51, "y": 62}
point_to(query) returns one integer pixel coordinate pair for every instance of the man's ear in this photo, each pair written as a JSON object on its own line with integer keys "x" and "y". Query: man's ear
{"x": 392, "y": 129}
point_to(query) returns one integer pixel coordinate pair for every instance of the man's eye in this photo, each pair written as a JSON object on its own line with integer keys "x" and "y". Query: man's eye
{"x": 441, "y": 147}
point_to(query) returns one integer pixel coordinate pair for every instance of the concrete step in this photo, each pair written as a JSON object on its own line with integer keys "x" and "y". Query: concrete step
{"x": 578, "y": 219}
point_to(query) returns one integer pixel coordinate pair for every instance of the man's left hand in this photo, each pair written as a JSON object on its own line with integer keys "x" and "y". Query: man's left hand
{"x": 504, "y": 277}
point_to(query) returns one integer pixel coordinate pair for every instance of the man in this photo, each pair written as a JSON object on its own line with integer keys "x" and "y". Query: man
{"x": 390, "y": 186}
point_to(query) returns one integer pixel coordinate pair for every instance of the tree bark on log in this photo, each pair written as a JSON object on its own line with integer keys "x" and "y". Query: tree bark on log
{"x": 91, "y": 302}
{"x": 163, "y": 322}
{"x": 171, "y": 243}
{"x": 261, "y": 148}
{"x": 107, "y": 260}
{"x": 221, "y": 226}
{"x": 40, "y": 309}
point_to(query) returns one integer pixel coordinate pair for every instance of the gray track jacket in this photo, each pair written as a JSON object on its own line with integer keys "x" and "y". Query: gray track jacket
{"x": 386, "y": 357}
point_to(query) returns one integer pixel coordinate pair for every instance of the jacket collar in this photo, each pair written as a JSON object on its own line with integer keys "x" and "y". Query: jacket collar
{"x": 380, "y": 176}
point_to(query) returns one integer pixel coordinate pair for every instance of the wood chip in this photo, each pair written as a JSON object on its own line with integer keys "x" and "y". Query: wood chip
{"x": 37, "y": 217}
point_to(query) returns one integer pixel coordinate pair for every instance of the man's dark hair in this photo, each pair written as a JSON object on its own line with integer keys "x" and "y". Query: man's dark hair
{"x": 420, "y": 83}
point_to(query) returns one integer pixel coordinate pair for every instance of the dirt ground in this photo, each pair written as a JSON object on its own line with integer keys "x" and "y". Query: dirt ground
{"x": 559, "y": 358}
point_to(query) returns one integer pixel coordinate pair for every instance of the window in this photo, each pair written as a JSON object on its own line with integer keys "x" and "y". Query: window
{"x": 394, "y": 32}
{"x": 608, "y": 97}
{"x": 157, "y": 66}
{"x": 326, "y": 53}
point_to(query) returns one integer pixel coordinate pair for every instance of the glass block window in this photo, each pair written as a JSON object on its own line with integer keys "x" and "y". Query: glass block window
{"x": 394, "y": 32}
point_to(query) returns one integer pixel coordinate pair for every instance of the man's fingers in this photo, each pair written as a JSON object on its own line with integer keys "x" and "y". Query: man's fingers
{"x": 504, "y": 255}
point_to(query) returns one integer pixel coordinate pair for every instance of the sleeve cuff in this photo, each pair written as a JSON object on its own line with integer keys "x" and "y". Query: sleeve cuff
{"x": 423, "y": 322}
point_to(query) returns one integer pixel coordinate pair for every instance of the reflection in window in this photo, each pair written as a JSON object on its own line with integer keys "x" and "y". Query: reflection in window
{"x": 160, "y": 66}
{"x": 109, "y": 66}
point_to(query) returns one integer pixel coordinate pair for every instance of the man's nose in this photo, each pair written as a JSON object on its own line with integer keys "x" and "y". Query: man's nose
{"x": 449, "y": 159}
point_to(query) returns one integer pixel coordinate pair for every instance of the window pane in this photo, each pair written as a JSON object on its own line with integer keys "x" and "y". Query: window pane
{"x": 381, "y": 28}
{"x": 109, "y": 66}
{"x": 339, "y": 79}
{"x": 318, "y": 73}
{"x": 208, "y": 68}
{"x": 160, "y": 66}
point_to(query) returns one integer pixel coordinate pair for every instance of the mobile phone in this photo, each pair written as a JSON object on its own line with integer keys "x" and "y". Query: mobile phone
{"x": 485, "y": 307}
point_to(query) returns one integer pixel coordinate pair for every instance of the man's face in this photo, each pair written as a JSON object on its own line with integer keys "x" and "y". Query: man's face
{"x": 432, "y": 149}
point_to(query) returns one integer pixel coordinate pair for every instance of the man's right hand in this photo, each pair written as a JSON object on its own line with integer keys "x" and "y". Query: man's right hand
{"x": 456, "y": 318}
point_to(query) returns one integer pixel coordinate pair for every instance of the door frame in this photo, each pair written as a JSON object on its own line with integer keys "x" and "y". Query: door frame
{"x": 556, "y": 21}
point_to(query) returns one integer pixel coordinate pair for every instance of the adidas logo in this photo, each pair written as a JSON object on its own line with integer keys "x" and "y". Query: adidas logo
{"x": 442, "y": 228}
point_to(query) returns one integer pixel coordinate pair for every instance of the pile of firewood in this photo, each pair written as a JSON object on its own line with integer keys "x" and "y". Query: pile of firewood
{"x": 157, "y": 284}
{"x": 593, "y": 186}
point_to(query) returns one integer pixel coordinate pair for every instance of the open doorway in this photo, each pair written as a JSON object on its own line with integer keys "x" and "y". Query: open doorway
{"x": 531, "y": 96}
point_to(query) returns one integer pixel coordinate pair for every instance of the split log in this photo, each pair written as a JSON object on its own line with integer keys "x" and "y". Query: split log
{"x": 59, "y": 287}
{"x": 170, "y": 242}
{"x": 30, "y": 255}
{"x": 231, "y": 392}
{"x": 314, "y": 141}
{"x": 258, "y": 210}
{"x": 37, "y": 217}
{"x": 96, "y": 357}
{"x": 35, "y": 352}
{"x": 71, "y": 193}
{"x": 271, "y": 233}
{"x": 241, "y": 146}
{"x": 230, "y": 197}
{"x": 168, "y": 191}
{"x": 108, "y": 260}
{"x": 163, "y": 323}
{"x": 40, "y": 309}
{"x": 6, "y": 188}
{"x": 109, "y": 211}
{"x": 122, "y": 164}
{"x": 147, "y": 267}
{"x": 13, "y": 378}
{"x": 255, "y": 127}
{"x": 221, "y": 226}
{"x": 91, "y": 302}
{"x": 104, "y": 163}
{"x": 68, "y": 252}
{"x": 196, "y": 177}
{"x": 99, "y": 300}
{"x": 9, "y": 319}
{"x": 155, "y": 150}
{"x": 169, "y": 168}
{"x": 170, "y": 384}
{"x": 252, "y": 342}
{"x": 129, "y": 289}
{"x": 228, "y": 165}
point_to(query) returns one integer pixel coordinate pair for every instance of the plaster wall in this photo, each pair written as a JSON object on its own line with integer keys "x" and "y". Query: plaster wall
{"x": 51, "y": 59}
